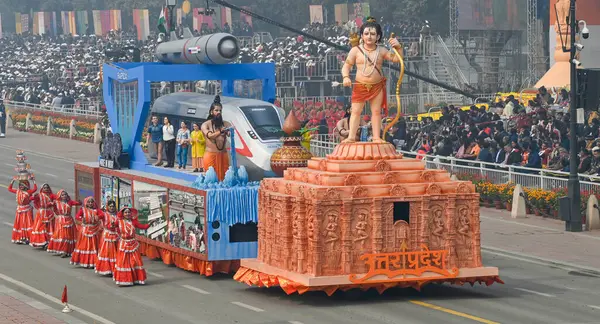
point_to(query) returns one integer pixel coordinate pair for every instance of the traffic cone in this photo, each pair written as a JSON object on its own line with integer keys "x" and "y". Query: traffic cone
{"x": 65, "y": 300}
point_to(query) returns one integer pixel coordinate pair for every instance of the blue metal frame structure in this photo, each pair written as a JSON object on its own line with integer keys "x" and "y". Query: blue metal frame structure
{"x": 127, "y": 96}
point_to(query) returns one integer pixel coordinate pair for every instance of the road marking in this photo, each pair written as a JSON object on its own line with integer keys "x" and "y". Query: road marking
{"x": 8, "y": 224}
{"x": 44, "y": 155}
{"x": 53, "y": 299}
{"x": 10, "y": 165}
{"x": 536, "y": 260}
{"x": 71, "y": 180}
{"x": 198, "y": 290}
{"x": 535, "y": 292}
{"x": 38, "y": 305}
{"x": 3, "y": 185}
{"x": 295, "y": 322}
{"x": 157, "y": 275}
{"x": 540, "y": 227}
{"x": 51, "y": 175}
{"x": 252, "y": 308}
{"x": 453, "y": 312}
{"x": 594, "y": 307}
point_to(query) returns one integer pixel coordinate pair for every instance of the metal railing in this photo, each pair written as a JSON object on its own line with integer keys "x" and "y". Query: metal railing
{"x": 321, "y": 145}
{"x": 87, "y": 110}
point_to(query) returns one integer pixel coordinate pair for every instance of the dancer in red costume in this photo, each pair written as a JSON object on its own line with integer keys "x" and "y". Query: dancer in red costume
{"x": 43, "y": 226}
{"x": 130, "y": 267}
{"x": 62, "y": 241}
{"x": 86, "y": 249}
{"x": 24, "y": 216}
{"x": 107, "y": 256}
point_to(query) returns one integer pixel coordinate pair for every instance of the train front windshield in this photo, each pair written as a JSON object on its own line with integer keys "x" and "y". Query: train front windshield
{"x": 264, "y": 120}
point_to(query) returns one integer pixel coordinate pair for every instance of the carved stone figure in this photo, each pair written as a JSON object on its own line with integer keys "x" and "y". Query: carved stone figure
{"x": 361, "y": 229}
{"x": 436, "y": 228}
{"x": 464, "y": 240}
{"x": 331, "y": 229}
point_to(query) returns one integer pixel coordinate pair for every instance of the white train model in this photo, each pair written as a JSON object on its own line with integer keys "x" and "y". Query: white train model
{"x": 257, "y": 125}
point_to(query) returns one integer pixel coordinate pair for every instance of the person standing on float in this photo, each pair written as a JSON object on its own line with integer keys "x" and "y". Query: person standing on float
{"x": 215, "y": 131}
{"x": 86, "y": 248}
{"x": 62, "y": 241}
{"x": 107, "y": 256}
{"x": 198, "y": 147}
{"x": 43, "y": 226}
{"x": 22, "y": 226}
{"x": 369, "y": 84}
{"x": 129, "y": 269}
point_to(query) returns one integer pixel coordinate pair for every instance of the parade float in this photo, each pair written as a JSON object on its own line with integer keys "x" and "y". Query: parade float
{"x": 363, "y": 217}
{"x": 198, "y": 223}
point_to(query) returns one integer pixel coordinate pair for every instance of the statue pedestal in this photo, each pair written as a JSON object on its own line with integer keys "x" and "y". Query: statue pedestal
{"x": 366, "y": 217}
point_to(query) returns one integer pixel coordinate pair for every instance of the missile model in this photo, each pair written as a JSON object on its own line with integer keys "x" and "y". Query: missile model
{"x": 219, "y": 48}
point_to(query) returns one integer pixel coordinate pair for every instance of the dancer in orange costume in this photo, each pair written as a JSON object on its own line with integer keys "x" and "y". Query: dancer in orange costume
{"x": 24, "y": 215}
{"x": 43, "y": 226}
{"x": 370, "y": 82}
{"x": 86, "y": 249}
{"x": 130, "y": 267}
{"x": 62, "y": 241}
{"x": 215, "y": 131}
{"x": 107, "y": 256}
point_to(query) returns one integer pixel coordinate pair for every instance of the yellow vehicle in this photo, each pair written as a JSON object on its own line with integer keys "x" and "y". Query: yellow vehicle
{"x": 436, "y": 112}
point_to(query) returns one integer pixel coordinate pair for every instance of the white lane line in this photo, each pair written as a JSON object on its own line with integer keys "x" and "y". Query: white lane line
{"x": 42, "y": 294}
{"x": 295, "y": 322}
{"x": 594, "y": 307}
{"x": 246, "y": 306}
{"x": 71, "y": 180}
{"x": 8, "y": 224}
{"x": 51, "y": 175}
{"x": 157, "y": 275}
{"x": 10, "y": 165}
{"x": 38, "y": 305}
{"x": 535, "y": 292}
{"x": 198, "y": 290}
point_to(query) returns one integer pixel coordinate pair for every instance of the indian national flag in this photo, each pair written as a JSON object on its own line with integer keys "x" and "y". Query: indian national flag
{"x": 162, "y": 21}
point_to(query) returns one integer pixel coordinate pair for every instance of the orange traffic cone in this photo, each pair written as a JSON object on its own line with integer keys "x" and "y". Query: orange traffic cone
{"x": 65, "y": 300}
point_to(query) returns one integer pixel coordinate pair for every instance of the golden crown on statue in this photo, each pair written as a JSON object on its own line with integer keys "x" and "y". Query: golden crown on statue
{"x": 371, "y": 19}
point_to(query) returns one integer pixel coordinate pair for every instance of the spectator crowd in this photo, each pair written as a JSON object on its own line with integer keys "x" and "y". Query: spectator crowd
{"x": 533, "y": 134}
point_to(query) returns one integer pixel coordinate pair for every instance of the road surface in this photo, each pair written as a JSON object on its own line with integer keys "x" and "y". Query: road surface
{"x": 533, "y": 293}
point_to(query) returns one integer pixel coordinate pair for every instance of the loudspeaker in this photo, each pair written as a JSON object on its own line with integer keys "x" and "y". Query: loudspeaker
{"x": 216, "y": 229}
{"x": 588, "y": 89}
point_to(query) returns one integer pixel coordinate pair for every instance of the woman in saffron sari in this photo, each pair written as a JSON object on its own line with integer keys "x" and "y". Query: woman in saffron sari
{"x": 43, "y": 226}
{"x": 130, "y": 267}
{"x": 62, "y": 241}
{"x": 86, "y": 249}
{"x": 107, "y": 256}
{"x": 21, "y": 233}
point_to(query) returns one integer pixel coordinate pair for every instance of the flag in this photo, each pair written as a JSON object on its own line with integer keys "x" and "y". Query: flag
{"x": 162, "y": 22}
{"x": 65, "y": 298}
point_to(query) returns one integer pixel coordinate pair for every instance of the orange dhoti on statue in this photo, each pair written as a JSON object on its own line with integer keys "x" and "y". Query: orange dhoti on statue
{"x": 219, "y": 161}
{"x": 363, "y": 92}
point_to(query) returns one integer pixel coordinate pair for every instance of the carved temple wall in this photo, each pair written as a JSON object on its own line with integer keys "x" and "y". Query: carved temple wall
{"x": 322, "y": 231}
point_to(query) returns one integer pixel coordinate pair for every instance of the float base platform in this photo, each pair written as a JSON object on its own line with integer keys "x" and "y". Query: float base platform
{"x": 183, "y": 259}
{"x": 259, "y": 274}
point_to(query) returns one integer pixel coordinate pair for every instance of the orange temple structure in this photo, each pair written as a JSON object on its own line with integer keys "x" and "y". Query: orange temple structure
{"x": 365, "y": 217}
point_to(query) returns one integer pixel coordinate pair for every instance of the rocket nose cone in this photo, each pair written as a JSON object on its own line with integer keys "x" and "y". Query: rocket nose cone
{"x": 228, "y": 48}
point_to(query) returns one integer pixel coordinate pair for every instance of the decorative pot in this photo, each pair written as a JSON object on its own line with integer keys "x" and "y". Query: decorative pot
{"x": 291, "y": 155}
{"x": 537, "y": 212}
{"x": 498, "y": 204}
{"x": 529, "y": 210}
{"x": 508, "y": 206}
